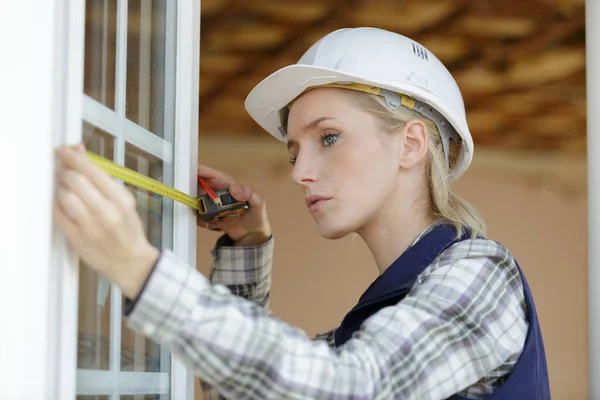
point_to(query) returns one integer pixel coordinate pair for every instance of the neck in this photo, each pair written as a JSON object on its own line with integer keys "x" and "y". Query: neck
{"x": 389, "y": 235}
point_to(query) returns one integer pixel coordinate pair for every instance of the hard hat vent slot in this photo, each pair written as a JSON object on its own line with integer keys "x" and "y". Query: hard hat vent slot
{"x": 420, "y": 52}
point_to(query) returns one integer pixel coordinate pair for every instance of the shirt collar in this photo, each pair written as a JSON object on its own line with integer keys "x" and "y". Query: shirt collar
{"x": 426, "y": 231}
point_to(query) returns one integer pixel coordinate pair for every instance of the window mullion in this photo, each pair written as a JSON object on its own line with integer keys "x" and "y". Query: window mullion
{"x": 115, "y": 336}
{"x": 145, "y": 63}
{"x": 104, "y": 51}
{"x": 185, "y": 147}
{"x": 170, "y": 53}
{"x": 121, "y": 61}
{"x": 120, "y": 108}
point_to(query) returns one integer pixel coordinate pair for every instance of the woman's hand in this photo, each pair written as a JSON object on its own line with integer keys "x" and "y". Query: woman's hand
{"x": 99, "y": 218}
{"x": 250, "y": 229}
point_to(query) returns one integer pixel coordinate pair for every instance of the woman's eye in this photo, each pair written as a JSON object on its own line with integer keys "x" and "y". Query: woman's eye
{"x": 329, "y": 138}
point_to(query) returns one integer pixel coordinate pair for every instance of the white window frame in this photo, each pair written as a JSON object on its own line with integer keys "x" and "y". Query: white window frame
{"x": 43, "y": 86}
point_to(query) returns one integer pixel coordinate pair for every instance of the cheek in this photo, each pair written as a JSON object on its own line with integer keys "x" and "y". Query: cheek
{"x": 368, "y": 178}
{"x": 362, "y": 182}
{"x": 370, "y": 166}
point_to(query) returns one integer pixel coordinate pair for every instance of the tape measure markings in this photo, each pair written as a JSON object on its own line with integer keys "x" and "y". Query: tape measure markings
{"x": 135, "y": 178}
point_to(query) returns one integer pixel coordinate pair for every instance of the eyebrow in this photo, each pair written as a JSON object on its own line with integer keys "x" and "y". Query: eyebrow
{"x": 309, "y": 126}
{"x": 315, "y": 123}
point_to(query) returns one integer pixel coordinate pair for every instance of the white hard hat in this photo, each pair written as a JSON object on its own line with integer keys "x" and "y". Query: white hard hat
{"x": 371, "y": 60}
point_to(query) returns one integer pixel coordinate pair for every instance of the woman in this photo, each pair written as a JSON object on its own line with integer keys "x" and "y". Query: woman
{"x": 376, "y": 130}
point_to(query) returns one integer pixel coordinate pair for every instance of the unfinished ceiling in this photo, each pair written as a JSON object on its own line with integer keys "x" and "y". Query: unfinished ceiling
{"x": 520, "y": 64}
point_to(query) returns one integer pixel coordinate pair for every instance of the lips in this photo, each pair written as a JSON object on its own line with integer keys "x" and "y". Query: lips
{"x": 315, "y": 202}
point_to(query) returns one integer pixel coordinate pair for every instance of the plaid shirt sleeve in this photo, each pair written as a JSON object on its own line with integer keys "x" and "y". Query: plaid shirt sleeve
{"x": 245, "y": 271}
{"x": 460, "y": 330}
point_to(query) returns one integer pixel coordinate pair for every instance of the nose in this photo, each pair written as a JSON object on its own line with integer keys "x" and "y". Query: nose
{"x": 303, "y": 172}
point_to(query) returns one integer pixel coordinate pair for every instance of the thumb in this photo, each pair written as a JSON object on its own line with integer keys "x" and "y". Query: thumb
{"x": 241, "y": 192}
{"x": 256, "y": 201}
{"x": 245, "y": 193}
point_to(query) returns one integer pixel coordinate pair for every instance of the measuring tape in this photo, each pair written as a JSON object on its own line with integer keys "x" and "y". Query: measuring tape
{"x": 206, "y": 208}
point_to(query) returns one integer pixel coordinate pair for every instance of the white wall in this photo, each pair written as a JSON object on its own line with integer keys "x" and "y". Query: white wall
{"x": 533, "y": 204}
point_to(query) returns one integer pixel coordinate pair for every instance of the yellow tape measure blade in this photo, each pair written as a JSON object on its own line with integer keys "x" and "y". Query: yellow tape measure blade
{"x": 142, "y": 181}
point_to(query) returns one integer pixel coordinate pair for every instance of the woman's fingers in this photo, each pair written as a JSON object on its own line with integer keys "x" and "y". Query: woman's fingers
{"x": 72, "y": 206}
{"x": 89, "y": 196}
{"x": 256, "y": 201}
{"x": 246, "y": 193}
{"x": 71, "y": 230}
{"x": 255, "y": 221}
{"x": 77, "y": 183}
{"x": 201, "y": 223}
{"x": 216, "y": 179}
{"x": 78, "y": 161}
{"x": 213, "y": 226}
{"x": 240, "y": 192}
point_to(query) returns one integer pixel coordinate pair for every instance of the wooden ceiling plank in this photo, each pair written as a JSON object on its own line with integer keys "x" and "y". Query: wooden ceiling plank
{"x": 243, "y": 38}
{"x": 209, "y": 24}
{"x": 498, "y": 54}
{"x": 571, "y": 88}
{"x": 552, "y": 33}
{"x": 212, "y": 7}
{"x": 337, "y": 11}
{"x": 219, "y": 64}
{"x": 546, "y": 66}
{"x": 498, "y": 25}
{"x": 406, "y": 17}
{"x": 278, "y": 11}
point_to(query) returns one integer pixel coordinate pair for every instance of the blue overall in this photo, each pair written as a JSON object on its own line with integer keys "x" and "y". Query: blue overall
{"x": 529, "y": 378}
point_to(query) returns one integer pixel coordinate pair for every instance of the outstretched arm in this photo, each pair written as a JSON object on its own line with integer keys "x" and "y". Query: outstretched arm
{"x": 461, "y": 323}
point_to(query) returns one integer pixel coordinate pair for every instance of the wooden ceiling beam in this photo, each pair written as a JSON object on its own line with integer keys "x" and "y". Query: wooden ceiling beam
{"x": 554, "y": 32}
{"x": 256, "y": 39}
{"x": 498, "y": 54}
{"x": 537, "y": 69}
{"x": 539, "y": 8}
{"x": 279, "y": 12}
{"x": 566, "y": 90}
{"x": 291, "y": 45}
{"x": 408, "y": 18}
{"x": 547, "y": 66}
{"x": 209, "y": 24}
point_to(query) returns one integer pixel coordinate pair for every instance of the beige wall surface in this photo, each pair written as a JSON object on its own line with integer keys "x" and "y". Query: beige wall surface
{"x": 533, "y": 204}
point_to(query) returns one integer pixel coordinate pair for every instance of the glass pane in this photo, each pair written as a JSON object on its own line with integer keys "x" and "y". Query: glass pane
{"x": 139, "y": 353}
{"x": 93, "y": 348}
{"x": 81, "y": 397}
{"x": 147, "y": 64}
{"x": 100, "y": 51}
{"x": 152, "y": 207}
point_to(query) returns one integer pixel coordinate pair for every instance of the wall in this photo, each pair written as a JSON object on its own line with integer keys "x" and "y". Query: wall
{"x": 534, "y": 204}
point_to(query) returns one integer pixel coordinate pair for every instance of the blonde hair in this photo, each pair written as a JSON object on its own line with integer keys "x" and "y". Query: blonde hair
{"x": 445, "y": 204}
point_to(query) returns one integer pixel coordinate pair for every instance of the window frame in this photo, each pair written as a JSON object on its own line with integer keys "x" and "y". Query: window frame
{"x": 53, "y": 30}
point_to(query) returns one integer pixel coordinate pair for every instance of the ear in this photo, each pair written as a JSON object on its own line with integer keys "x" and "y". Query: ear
{"x": 416, "y": 143}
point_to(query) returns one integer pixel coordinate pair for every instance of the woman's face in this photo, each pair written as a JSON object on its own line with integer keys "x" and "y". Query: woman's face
{"x": 347, "y": 165}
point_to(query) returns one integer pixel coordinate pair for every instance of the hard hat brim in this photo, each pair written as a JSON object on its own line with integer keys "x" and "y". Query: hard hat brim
{"x": 277, "y": 90}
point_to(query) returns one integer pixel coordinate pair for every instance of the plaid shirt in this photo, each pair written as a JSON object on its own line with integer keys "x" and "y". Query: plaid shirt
{"x": 459, "y": 330}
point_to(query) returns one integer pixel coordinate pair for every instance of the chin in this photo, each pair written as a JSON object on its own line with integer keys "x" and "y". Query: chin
{"x": 333, "y": 231}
